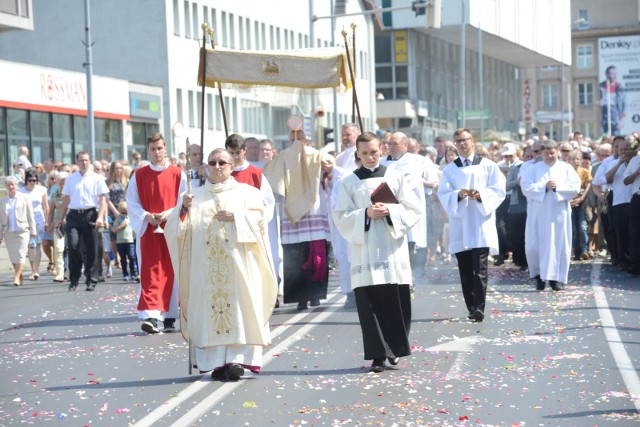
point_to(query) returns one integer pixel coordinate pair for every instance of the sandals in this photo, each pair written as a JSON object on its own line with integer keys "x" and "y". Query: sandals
{"x": 51, "y": 268}
{"x": 34, "y": 276}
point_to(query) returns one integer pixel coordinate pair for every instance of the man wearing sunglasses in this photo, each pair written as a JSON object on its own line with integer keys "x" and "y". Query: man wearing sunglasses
{"x": 471, "y": 189}
{"x": 151, "y": 196}
{"x": 227, "y": 281}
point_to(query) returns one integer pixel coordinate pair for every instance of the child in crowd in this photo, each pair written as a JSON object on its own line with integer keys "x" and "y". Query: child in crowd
{"x": 126, "y": 243}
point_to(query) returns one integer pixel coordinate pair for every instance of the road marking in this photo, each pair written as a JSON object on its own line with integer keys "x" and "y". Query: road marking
{"x": 624, "y": 363}
{"x": 461, "y": 345}
{"x": 201, "y": 408}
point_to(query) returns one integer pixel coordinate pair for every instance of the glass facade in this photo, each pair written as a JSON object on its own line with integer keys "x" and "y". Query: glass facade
{"x": 54, "y": 136}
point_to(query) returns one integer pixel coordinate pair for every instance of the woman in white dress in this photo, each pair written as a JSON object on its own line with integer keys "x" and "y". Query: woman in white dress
{"x": 38, "y": 195}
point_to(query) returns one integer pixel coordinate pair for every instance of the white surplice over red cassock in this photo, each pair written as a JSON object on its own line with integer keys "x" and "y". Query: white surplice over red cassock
{"x": 154, "y": 189}
{"x": 227, "y": 282}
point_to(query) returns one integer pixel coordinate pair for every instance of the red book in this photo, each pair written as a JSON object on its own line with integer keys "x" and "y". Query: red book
{"x": 383, "y": 194}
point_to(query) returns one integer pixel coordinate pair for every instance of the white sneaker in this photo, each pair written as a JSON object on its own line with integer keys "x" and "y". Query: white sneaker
{"x": 109, "y": 272}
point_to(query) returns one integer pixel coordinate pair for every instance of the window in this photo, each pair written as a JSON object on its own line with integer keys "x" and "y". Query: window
{"x": 205, "y": 15}
{"x": 199, "y": 109}
{"x": 40, "y": 136}
{"x": 585, "y": 93}
{"x": 256, "y": 33}
{"x": 241, "y": 32}
{"x": 210, "y": 111}
{"x": 286, "y": 39}
{"x": 584, "y": 54}
{"x": 583, "y": 19}
{"x": 232, "y": 31}
{"x": 224, "y": 29}
{"x": 263, "y": 35}
{"x": 62, "y": 138}
{"x": 179, "y": 104}
{"x": 194, "y": 21}
{"x": 255, "y": 117}
{"x": 192, "y": 122}
{"x": 549, "y": 96}
{"x": 247, "y": 24}
{"x": 176, "y": 18}
{"x": 187, "y": 20}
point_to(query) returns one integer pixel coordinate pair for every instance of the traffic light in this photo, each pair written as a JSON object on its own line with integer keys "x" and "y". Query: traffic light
{"x": 326, "y": 132}
{"x": 419, "y": 7}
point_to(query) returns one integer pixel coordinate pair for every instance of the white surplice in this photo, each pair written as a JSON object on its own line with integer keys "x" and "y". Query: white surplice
{"x": 380, "y": 255}
{"x": 227, "y": 283}
{"x": 472, "y": 224}
{"x": 548, "y": 230}
{"x": 414, "y": 168}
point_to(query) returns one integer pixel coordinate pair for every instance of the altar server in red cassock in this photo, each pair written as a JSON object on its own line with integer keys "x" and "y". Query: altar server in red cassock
{"x": 151, "y": 196}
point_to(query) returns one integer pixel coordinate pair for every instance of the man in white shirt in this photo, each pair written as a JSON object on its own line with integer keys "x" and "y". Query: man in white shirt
{"x": 471, "y": 189}
{"x": 198, "y": 172}
{"x": 84, "y": 195}
{"x": 632, "y": 179}
{"x": 23, "y": 157}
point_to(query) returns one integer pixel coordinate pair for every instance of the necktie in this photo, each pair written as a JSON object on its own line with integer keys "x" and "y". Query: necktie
{"x": 389, "y": 157}
{"x": 466, "y": 162}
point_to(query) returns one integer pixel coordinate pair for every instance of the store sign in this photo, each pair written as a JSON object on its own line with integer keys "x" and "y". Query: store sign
{"x": 527, "y": 101}
{"x": 145, "y": 105}
{"x": 48, "y": 89}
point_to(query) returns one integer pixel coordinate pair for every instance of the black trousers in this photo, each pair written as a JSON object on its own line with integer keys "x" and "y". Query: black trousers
{"x": 608, "y": 223}
{"x": 384, "y": 312}
{"x": 502, "y": 217}
{"x": 517, "y": 223}
{"x": 621, "y": 231}
{"x": 81, "y": 240}
{"x": 634, "y": 232}
{"x": 472, "y": 265}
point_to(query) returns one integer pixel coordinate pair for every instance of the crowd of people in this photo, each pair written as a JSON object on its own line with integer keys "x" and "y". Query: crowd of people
{"x": 219, "y": 244}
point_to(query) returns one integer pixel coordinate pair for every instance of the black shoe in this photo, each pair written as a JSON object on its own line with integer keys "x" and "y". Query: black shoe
{"x": 169, "y": 324}
{"x": 234, "y": 371}
{"x": 555, "y": 285}
{"x": 499, "y": 261}
{"x": 219, "y": 374}
{"x": 302, "y": 306}
{"x": 150, "y": 326}
{"x": 314, "y": 302}
{"x": 477, "y": 315}
{"x": 393, "y": 360}
{"x": 377, "y": 366}
{"x": 540, "y": 284}
{"x": 350, "y": 303}
{"x": 277, "y": 303}
{"x": 91, "y": 286}
{"x": 73, "y": 286}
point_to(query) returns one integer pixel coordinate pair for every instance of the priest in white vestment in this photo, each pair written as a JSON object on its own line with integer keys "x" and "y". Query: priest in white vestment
{"x": 414, "y": 169}
{"x": 220, "y": 251}
{"x": 471, "y": 190}
{"x": 380, "y": 267}
{"x": 549, "y": 186}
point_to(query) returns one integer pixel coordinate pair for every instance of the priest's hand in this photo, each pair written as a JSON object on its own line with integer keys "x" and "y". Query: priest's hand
{"x": 187, "y": 200}
{"x": 378, "y": 210}
{"x": 223, "y": 215}
{"x": 462, "y": 194}
{"x": 551, "y": 185}
{"x": 327, "y": 164}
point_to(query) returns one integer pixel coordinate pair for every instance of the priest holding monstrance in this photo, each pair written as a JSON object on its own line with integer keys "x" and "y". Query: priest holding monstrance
{"x": 220, "y": 250}
{"x": 375, "y": 210}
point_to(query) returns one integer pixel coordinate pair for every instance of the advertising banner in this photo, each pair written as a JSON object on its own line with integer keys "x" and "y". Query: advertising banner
{"x": 619, "y": 84}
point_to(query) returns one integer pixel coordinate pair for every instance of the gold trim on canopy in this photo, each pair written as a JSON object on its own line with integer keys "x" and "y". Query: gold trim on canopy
{"x": 307, "y": 69}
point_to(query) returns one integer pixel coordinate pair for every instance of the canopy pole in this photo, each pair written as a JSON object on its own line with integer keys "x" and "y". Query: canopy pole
{"x": 203, "y": 74}
{"x": 224, "y": 111}
{"x": 353, "y": 102}
{"x": 355, "y": 95}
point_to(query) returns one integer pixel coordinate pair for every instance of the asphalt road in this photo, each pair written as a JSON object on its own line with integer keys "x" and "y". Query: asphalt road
{"x": 539, "y": 359}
